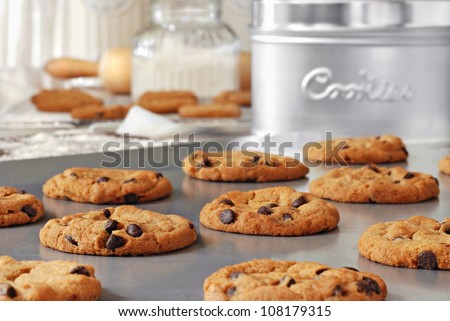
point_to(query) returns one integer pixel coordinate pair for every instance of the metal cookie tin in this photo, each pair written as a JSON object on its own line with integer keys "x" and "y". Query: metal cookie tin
{"x": 351, "y": 67}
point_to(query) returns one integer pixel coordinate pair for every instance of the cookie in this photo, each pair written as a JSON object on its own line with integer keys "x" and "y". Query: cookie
{"x": 166, "y": 102}
{"x": 237, "y": 165}
{"x": 124, "y": 230}
{"x": 18, "y": 207}
{"x": 271, "y": 280}
{"x": 211, "y": 110}
{"x": 416, "y": 243}
{"x": 359, "y": 150}
{"x": 270, "y": 211}
{"x": 100, "y": 112}
{"x": 444, "y": 165}
{"x": 47, "y": 281}
{"x": 372, "y": 184}
{"x": 63, "y": 100}
{"x": 239, "y": 97}
{"x": 107, "y": 186}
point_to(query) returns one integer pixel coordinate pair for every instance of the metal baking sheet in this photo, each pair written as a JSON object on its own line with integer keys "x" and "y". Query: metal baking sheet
{"x": 179, "y": 275}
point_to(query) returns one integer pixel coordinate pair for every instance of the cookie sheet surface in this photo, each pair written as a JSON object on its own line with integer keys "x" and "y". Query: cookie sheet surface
{"x": 180, "y": 275}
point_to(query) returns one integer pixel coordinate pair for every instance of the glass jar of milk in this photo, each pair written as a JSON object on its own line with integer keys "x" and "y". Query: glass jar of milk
{"x": 185, "y": 47}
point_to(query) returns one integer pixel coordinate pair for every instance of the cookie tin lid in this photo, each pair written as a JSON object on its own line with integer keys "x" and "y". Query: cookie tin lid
{"x": 349, "y": 15}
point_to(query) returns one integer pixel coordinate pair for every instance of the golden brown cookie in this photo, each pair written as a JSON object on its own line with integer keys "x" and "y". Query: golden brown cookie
{"x": 107, "y": 186}
{"x": 373, "y": 184}
{"x": 166, "y": 102}
{"x": 47, "y": 281}
{"x": 18, "y": 207}
{"x": 270, "y": 211}
{"x": 63, "y": 100}
{"x": 239, "y": 97}
{"x": 360, "y": 150}
{"x": 237, "y": 165}
{"x": 417, "y": 243}
{"x": 270, "y": 280}
{"x": 444, "y": 165}
{"x": 211, "y": 110}
{"x": 100, "y": 112}
{"x": 124, "y": 230}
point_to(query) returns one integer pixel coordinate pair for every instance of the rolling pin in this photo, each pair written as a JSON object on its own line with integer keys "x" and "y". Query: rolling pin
{"x": 114, "y": 69}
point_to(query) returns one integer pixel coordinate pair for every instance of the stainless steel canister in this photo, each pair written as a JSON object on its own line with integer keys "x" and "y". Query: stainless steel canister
{"x": 351, "y": 67}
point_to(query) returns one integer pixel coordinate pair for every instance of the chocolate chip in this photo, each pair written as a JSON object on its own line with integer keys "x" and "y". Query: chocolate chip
{"x": 372, "y": 201}
{"x": 114, "y": 242}
{"x": 446, "y": 229}
{"x": 107, "y": 213}
{"x": 73, "y": 175}
{"x": 373, "y": 285}
{"x": 363, "y": 287}
{"x": 406, "y": 152}
{"x": 436, "y": 180}
{"x": 71, "y": 240}
{"x": 207, "y": 163}
{"x": 350, "y": 268}
{"x": 21, "y": 191}
{"x": 408, "y": 176}
{"x": 227, "y": 201}
{"x": 264, "y": 210}
{"x": 159, "y": 175}
{"x": 373, "y": 168}
{"x": 29, "y": 210}
{"x": 427, "y": 260}
{"x": 345, "y": 147}
{"x": 234, "y": 275}
{"x": 111, "y": 225}
{"x": 227, "y": 216}
{"x": 368, "y": 285}
{"x": 287, "y": 217}
{"x": 131, "y": 180}
{"x": 377, "y": 137}
{"x": 102, "y": 179}
{"x": 191, "y": 226}
{"x": 287, "y": 280}
{"x": 80, "y": 270}
{"x": 271, "y": 163}
{"x": 3, "y": 152}
{"x": 134, "y": 230}
{"x": 256, "y": 158}
{"x": 7, "y": 290}
{"x": 299, "y": 202}
{"x": 10, "y": 211}
{"x": 396, "y": 182}
{"x": 337, "y": 291}
{"x": 321, "y": 271}
{"x": 272, "y": 205}
{"x": 231, "y": 291}
{"x": 131, "y": 198}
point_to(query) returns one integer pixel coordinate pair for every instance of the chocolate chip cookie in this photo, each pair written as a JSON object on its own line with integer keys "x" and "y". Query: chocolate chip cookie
{"x": 444, "y": 165}
{"x": 238, "y": 165}
{"x": 270, "y": 280}
{"x": 47, "y": 281}
{"x": 373, "y": 184}
{"x": 210, "y": 111}
{"x": 360, "y": 150}
{"x": 120, "y": 231}
{"x": 18, "y": 207}
{"x": 417, "y": 243}
{"x": 239, "y": 97}
{"x": 107, "y": 186}
{"x": 100, "y": 112}
{"x": 166, "y": 102}
{"x": 63, "y": 100}
{"x": 270, "y": 211}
